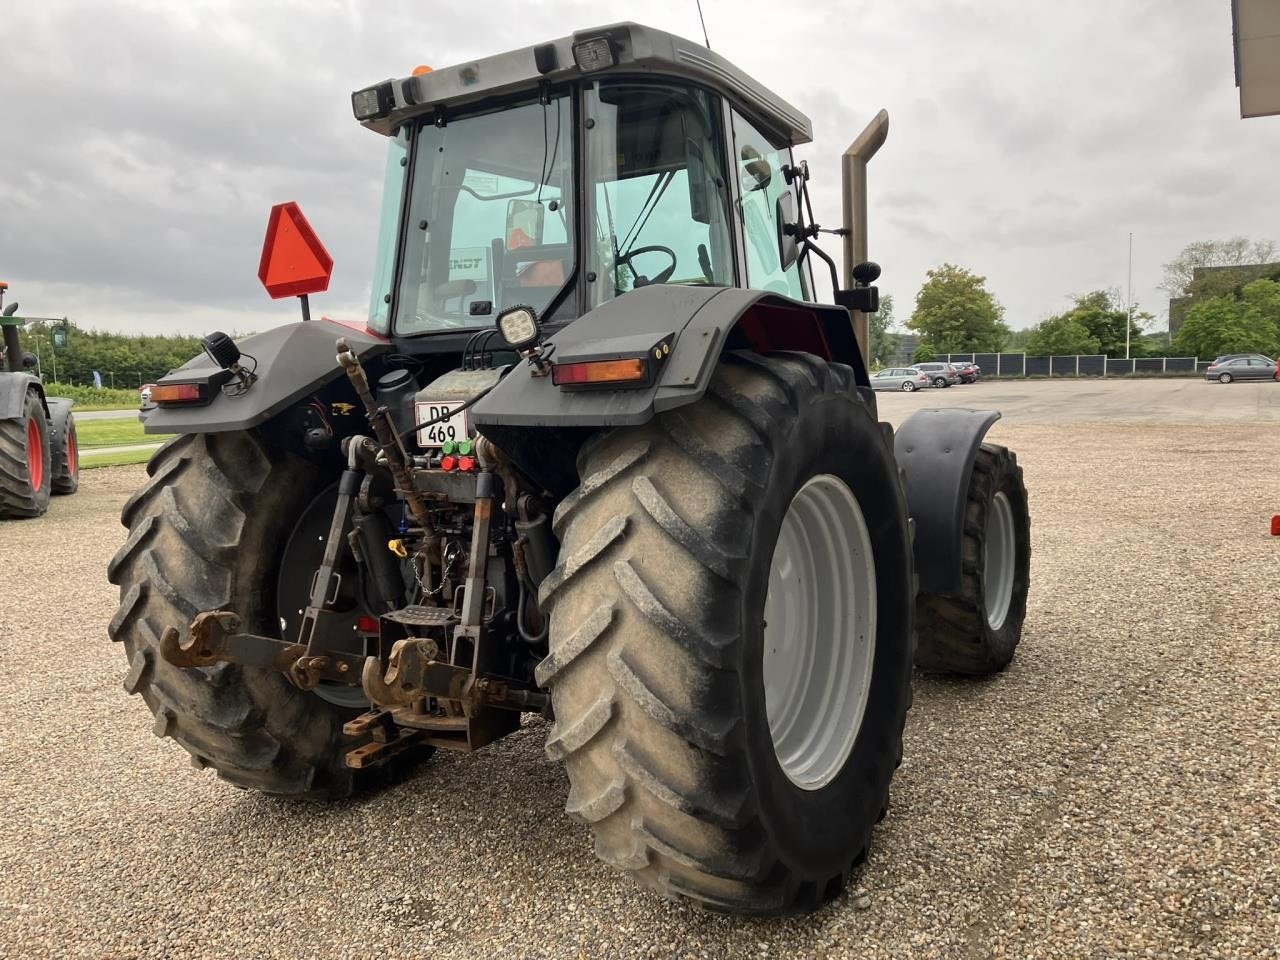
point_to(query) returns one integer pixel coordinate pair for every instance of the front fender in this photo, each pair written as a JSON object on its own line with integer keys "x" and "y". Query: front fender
{"x": 701, "y": 322}
{"x": 292, "y": 361}
{"x": 13, "y": 393}
{"x": 936, "y": 449}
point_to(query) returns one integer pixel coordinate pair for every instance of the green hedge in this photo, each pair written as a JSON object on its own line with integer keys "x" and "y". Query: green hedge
{"x": 88, "y": 397}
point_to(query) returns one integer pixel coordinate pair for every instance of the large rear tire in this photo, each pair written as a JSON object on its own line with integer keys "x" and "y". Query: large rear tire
{"x": 25, "y": 473}
{"x": 699, "y": 755}
{"x": 207, "y": 533}
{"x": 976, "y": 633}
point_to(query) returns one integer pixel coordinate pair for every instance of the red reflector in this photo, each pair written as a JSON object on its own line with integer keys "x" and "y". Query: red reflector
{"x": 600, "y": 371}
{"x": 1275, "y": 525}
{"x": 294, "y": 261}
{"x": 448, "y": 463}
{"x": 177, "y": 393}
{"x": 367, "y": 624}
{"x": 466, "y": 463}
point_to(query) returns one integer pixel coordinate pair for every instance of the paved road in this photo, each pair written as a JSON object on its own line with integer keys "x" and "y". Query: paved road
{"x": 120, "y": 448}
{"x": 1115, "y": 793}
{"x": 107, "y": 414}
{"x": 1099, "y": 401}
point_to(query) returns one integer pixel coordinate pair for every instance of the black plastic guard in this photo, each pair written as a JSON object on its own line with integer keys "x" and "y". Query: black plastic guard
{"x": 291, "y": 362}
{"x": 937, "y": 448}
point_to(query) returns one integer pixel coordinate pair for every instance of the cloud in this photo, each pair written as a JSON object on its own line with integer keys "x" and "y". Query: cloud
{"x": 145, "y": 142}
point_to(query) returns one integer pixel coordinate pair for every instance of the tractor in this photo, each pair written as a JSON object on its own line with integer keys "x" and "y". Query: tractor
{"x": 38, "y": 454}
{"x": 597, "y": 454}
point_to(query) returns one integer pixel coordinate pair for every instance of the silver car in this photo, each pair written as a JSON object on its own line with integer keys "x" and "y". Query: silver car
{"x": 900, "y": 378}
{"x": 1256, "y": 367}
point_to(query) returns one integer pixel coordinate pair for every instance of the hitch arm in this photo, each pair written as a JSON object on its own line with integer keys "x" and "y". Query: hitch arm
{"x": 215, "y": 637}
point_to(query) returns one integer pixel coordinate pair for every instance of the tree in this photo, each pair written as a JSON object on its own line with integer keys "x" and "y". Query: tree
{"x": 924, "y": 353}
{"x": 1094, "y": 324}
{"x": 133, "y": 359}
{"x": 1061, "y": 336}
{"x": 1249, "y": 323}
{"x": 883, "y": 344}
{"x": 1179, "y": 273}
{"x": 956, "y": 313}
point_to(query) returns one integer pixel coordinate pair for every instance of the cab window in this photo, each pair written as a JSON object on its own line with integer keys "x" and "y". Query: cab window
{"x": 761, "y": 181}
{"x": 657, "y": 187}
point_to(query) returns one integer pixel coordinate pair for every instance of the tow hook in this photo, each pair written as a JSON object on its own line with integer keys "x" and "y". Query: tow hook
{"x": 215, "y": 638}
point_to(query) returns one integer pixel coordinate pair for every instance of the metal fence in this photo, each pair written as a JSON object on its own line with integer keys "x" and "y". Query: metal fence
{"x": 1077, "y": 365}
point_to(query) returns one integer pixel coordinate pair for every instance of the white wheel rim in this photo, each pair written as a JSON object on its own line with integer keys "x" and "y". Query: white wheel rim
{"x": 819, "y": 633}
{"x": 999, "y": 556}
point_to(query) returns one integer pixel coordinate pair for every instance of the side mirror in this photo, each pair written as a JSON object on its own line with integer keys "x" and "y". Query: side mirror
{"x": 524, "y": 223}
{"x": 29, "y": 360}
{"x": 11, "y": 309}
{"x": 788, "y": 248}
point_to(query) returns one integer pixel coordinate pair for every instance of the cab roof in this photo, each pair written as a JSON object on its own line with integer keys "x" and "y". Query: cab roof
{"x": 635, "y": 49}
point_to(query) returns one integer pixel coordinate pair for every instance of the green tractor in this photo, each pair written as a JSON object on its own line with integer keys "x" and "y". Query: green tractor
{"x": 38, "y": 454}
{"x": 599, "y": 454}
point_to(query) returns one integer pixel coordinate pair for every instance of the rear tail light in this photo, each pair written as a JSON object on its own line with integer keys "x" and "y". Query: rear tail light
{"x": 179, "y": 393}
{"x": 599, "y": 372}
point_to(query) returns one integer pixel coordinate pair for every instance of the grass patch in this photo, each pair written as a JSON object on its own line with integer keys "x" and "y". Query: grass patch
{"x": 110, "y": 433}
{"x": 89, "y": 460}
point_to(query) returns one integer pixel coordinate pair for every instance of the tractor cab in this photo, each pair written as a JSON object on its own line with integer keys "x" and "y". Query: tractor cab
{"x": 602, "y": 169}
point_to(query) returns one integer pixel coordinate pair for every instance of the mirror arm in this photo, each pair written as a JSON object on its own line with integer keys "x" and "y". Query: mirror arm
{"x": 807, "y": 247}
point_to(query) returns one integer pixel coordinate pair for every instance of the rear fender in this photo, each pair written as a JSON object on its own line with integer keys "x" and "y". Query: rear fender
{"x": 936, "y": 449}
{"x": 290, "y": 362}
{"x": 700, "y": 323}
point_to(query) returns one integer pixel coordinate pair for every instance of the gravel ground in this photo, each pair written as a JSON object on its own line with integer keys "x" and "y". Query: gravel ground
{"x": 1115, "y": 793}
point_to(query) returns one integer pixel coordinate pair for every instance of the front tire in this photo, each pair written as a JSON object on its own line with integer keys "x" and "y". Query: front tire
{"x": 66, "y": 472}
{"x": 25, "y": 461}
{"x": 976, "y": 633}
{"x": 664, "y": 671}
{"x": 207, "y": 533}
{"x": 941, "y": 382}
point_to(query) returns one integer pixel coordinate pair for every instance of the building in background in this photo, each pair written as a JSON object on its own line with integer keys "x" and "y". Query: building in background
{"x": 1255, "y": 31}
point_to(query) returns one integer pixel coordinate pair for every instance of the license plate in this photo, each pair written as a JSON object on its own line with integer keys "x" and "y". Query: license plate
{"x": 454, "y": 428}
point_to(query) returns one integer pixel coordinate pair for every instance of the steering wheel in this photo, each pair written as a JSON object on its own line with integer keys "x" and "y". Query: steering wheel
{"x": 662, "y": 277}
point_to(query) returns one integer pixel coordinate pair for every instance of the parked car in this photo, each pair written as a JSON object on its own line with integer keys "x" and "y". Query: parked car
{"x": 940, "y": 374}
{"x": 900, "y": 378}
{"x": 969, "y": 372}
{"x": 144, "y": 393}
{"x": 1251, "y": 367}
{"x": 1242, "y": 356}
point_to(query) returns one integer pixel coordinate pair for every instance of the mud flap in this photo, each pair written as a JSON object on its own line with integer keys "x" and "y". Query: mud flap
{"x": 936, "y": 449}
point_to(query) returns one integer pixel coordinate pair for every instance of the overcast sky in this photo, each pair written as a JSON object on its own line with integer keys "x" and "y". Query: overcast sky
{"x": 143, "y": 143}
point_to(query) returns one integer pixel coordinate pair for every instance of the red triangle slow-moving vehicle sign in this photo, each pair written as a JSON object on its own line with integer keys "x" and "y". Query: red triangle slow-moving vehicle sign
{"x": 294, "y": 261}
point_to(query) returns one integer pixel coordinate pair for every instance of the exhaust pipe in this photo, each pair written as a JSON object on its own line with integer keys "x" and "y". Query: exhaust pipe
{"x": 853, "y": 169}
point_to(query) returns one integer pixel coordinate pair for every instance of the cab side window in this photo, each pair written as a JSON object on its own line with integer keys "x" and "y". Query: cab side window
{"x": 759, "y": 169}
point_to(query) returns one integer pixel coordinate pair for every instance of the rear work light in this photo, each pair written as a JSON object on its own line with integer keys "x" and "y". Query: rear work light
{"x": 165, "y": 394}
{"x": 373, "y": 102}
{"x": 594, "y": 54}
{"x": 600, "y": 372}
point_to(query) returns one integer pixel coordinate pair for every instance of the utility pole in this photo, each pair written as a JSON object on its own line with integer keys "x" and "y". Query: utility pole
{"x": 1128, "y": 304}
